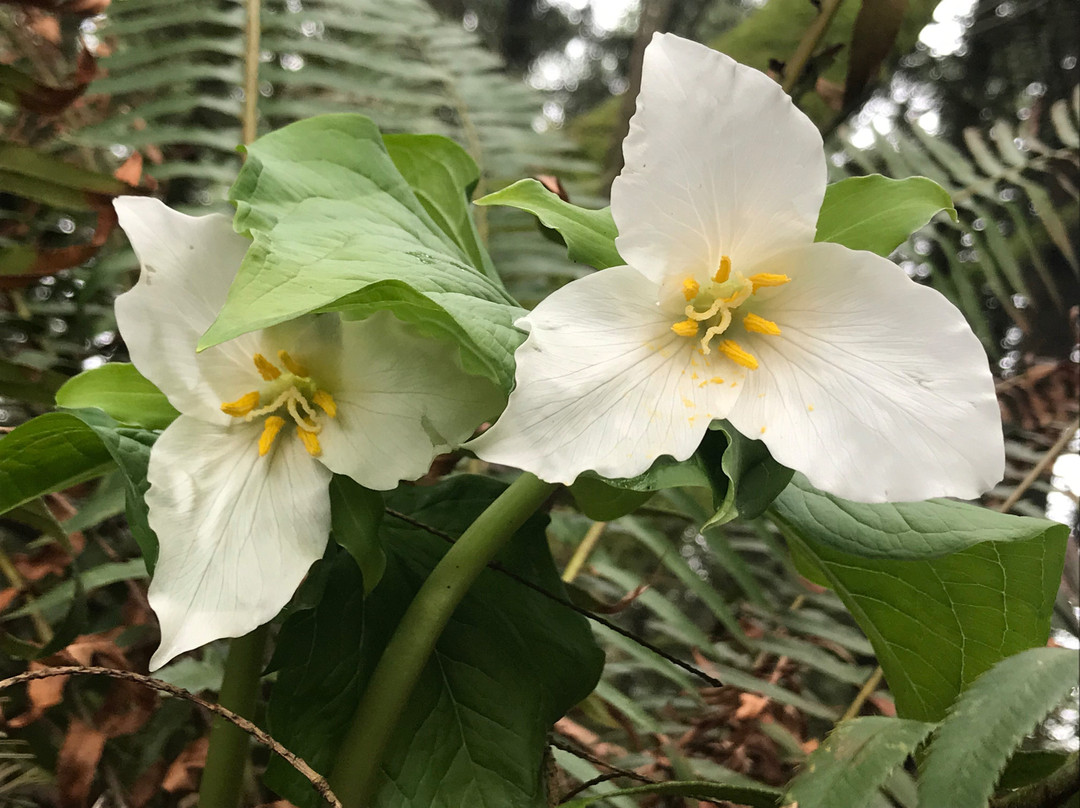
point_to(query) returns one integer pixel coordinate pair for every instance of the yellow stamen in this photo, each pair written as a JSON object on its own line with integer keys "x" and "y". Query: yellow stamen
{"x": 265, "y": 367}
{"x": 242, "y": 406}
{"x": 733, "y": 351}
{"x": 310, "y": 441}
{"x": 270, "y": 431}
{"x": 760, "y": 325}
{"x": 685, "y": 328}
{"x": 326, "y": 401}
{"x": 763, "y": 279}
{"x": 690, "y": 288}
{"x": 291, "y": 365}
{"x": 723, "y": 272}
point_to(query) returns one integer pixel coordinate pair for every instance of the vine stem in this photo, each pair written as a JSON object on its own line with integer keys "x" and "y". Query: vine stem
{"x": 357, "y": 766}
{"x": 251, "y": 70}
{"x": 226, "y": 758}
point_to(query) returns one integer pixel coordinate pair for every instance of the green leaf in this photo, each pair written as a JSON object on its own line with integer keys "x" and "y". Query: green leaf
{"x": 754, "y": 478}
{"x": 119, "y": 390}
{"x": 971, "y": 747}
{"x": 455, "y": 745}
{"x": 855, "y": 761}
{"x": 48, "y": 453}
{"x": 443, "y": 177}
{"x": 898, "y": 530}
{"x": 876, "y": 213}
{"x": 94, "y": 578}
{"x": 355, "y": 516}
{"x": 937, "y": 623}
{"x": 589, "y": 234}
{"x": 130, "y": 450}
{"x": 756, "y": 797}
{"x": 326, "y": 227}
{"x": 602, "y": 502}
{"x": 483, "y": 331}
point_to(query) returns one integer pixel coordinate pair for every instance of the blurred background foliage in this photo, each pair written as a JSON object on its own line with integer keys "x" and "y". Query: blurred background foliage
{"x": 143, "y": 96}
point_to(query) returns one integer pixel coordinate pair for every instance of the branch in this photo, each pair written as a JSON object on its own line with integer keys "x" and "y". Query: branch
{"x": 313, "y": 777}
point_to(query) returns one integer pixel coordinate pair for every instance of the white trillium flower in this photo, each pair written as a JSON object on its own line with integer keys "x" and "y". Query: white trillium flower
{"x": 871, "y": 385}
{"x": 238, "y": 492}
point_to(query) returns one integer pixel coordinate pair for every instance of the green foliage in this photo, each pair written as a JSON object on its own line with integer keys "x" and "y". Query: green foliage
{"x": 120, "y": 391}
{"x": 938, "y": 622}
{"x": 49, "y": 453}
{"x": 854, "y": 762}
{"x": 455, "y": 743}
{"x": 759, "y": 797}
{"x": 970, "y": 748}
{"x": 589, "y": 235}
{"x": 878, "y": 214}
{"x": 356, "y": 515}
{"x": 325, "y": 229}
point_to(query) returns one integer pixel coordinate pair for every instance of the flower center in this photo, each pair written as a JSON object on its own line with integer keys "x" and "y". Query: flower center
{"x": 291, "y": 393}
{"x": 713, "y": 307}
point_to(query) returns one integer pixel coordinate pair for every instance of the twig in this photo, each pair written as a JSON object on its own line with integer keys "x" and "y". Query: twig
{"x": 317, "y": 780}
{"x": 251, "y": 71}
{"x": 1036, "y": 472}
{"x": 581, "y": 554}
{"x": 864, "y": 693}
{"x": 805, "y": 49}
{"x": 497, "y": 567}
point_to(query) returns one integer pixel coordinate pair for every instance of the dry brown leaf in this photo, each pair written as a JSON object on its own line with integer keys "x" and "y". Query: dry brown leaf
{"x": 182, "y": 774}
{"x": 750, "y": 706}
{"x": 43, "y": 694}
{"x": 76, "y": 763}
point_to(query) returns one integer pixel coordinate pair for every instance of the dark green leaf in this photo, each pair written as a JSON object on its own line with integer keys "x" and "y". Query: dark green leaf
{"x": 855, "y": 761}
{"x": 898, "y": 530}
{"x": 454, "y": 745}
{"x": 589, "y": 234}
{"x": 876, "y": 213}
{"x": 356, "y": 514}
{"x": 937, "y": 623}
{"x": 753, "y": 478}
{"x": 48, "y": 453}
{"x": 119, "y": 390}
{"x": 989, "y": 720}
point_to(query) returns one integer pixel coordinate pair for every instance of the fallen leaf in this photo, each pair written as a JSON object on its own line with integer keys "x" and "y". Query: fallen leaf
{"x": 181, "y": 775}
{"x": 76, "y": 763}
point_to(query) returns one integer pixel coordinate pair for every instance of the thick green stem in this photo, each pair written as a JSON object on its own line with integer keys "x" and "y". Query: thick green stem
{"x": 223, "y": 777}
{"x": 356, "y": 769}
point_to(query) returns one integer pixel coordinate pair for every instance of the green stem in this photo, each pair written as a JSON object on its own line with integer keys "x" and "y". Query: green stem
{"x": 223, "y": 777}
{"x": 355, "y": 771}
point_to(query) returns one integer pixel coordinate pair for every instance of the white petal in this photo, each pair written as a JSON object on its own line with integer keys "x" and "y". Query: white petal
{"x": 401, "y": 400}
{"x": 187, "y": 265}
{"x": 876, "y": 389}
{"x": 237, "y": 531}
{"x": 718, "y": 161}
{"x": 604, "y": 384}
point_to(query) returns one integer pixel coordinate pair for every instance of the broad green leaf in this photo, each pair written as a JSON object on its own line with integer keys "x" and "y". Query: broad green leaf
{"x": 989, "y": 720}
{"x": 48, "y": 453}
{"x": 898, "y": 530}
{"x": 740, "y": 474}
{"x": 443, "y": 176}
{"x": 757, "y": 797}
{"x": 876, "y": 213}
{"x": 483, "y": 331}
{"x": 589, "y": 234}
{"x": 855, "y": 761}
{"x": 754, "y": 478}
{"x": 120, "y": 391}
{"x": 936, "y": 624}
{"x": 356, "y": 514}
{"x": 129, "y": 448}
{"x": 454, "y": 745}
{"x": 327, "y": 227}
